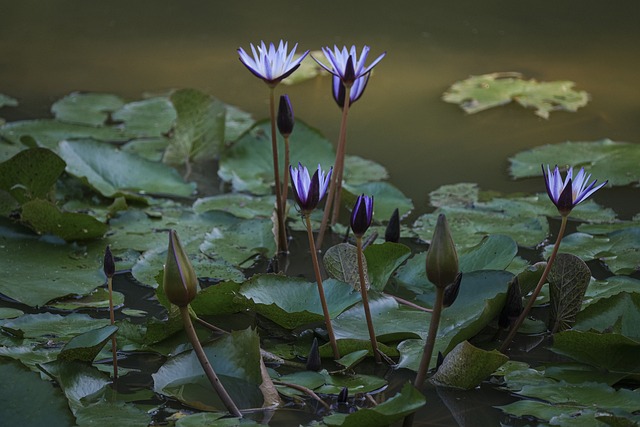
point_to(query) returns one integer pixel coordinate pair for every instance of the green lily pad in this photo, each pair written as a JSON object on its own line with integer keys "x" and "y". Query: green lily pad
{"x": 48, "y": 133}
{"x": 359, "y": 171}
{"x": 604, "y": 159}
{"x": 112, "y": 414}
{"x": 350, "y": 360}
{"x": 31, "y": 174}
{"x": 62, "y": 269}
{"x": 568, "y": 280}
{"x": 236, "y": 360}
{"x": 619, "y": 313}
{"x": 46, "y": 326}
{"x": 618, "y": 249}
{"x": 308, "y": 70}
{"x": 239, "y": 205}
{"x": 7, "y": 101}
{"x": 613, "y": 285}
{"x": 99, "y": 299}
{"x": 113, "y": 172}
{"x": 83, "y": 384}
{"x": 387, "y": 198}
{"x": 217, "y": 299}
{"x": 478, "y": 93}
{"x": 10, "y": 313}
{"x": 86, "y": 108}
{"x": 85, "y": 347}
{"x": 293, "y": 302}
{"x": 392, "y": 410}
{"x": 466, "y": 366}
{"x": 148, "y": 118}
{"x": 383, "y": 260}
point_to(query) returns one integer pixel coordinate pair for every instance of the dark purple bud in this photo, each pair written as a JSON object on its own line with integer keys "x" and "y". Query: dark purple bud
{"x": 314, "y": 362}
{"x": 286, "y": 119}
{"x": 362, "y": 215}
{"x": 392, "y": 232}
{"x": 451, "y": 292}
{"x": 344, "y": 395}
{"x": 109, "y": 263}
{"x": 513, "y": 304}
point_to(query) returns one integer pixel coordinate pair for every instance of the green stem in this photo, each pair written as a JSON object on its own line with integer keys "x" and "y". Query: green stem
{"x": 206, "y": 366}
{"x": 285, "y": 178}
{"x": 323, "y": 301}
{"x": 536, "y": 291}
{"x": 282, "y": 234}
{"x": 431, "y": 338}
{"x": 365, "y": 302}
{"x": 114, "y": 344}
{"x": 335, "y": 186}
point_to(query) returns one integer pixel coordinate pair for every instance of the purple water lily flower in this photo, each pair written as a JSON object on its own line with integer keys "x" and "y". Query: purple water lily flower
{"x": 270, "y": 64}
{"x": 573, "y": 190}
{"x": 308, "y": 191}
{"x": 346, "y": 65}
{"x": 359, "y": 85}
{"x": 362, "y": 215}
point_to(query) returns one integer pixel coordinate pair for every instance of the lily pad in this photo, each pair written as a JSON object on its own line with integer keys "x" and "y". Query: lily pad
{"x": 86, "y": 108}
{"x": 239, "y": 205}
{"x": 568, "y": 280}
{"x": 7, "y": 101}
{"x": 113, "y": 172}
{"x": 383, "y": 260}
{"x": 31, "y": 174}
{"x": 148, "y": 118}
{"x": 387, "y": 198}
{"x": 85, "y": 347}
{"x": 236, "y": 360}
{"x": 478, "y": 93}
{"x": 99, "y": 299}
{"x": 466, "y": 366}
{"x": 611, "y": 286}
{"x": 309, "y": 69}
{"x": 618, "y": 249}
{"x": 619, "y": 313}
{"x": 604, "y": 159}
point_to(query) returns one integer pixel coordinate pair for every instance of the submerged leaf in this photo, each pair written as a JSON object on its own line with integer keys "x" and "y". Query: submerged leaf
{"x": 478, "y": 93}
{"x": 568, "y": 281}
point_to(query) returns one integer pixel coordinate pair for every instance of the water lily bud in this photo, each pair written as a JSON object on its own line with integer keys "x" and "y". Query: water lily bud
{"x": 442, "y": 259}
{"x": 451, "y": 292}
{"x": 314, "y": 362}
{"x": 512, "y": 306}
{"x": 109, "y": 265}
{"x": 343, "y": 396}
{"x": 285, "y": 117}
{"x": 392, "y": 232}
{"x": 362, "y": 215}
{"x": 180, "y": 281}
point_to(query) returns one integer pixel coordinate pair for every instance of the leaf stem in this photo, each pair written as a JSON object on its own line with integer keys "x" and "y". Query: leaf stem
{"x": 335, "y": 186}
{"x": 323, "y": 301}
{"x": 114, "y": 343}
{"x": 365, "y": 302}
{"x": 536, "y": 291}
{"x": 206, "y": 366}
{"x": 282, "y": 233}
{"x": 431, "y": 338}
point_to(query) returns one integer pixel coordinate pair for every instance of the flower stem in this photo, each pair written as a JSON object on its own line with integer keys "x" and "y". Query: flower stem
{"x": 285, "y": 178}
{"x": 114, "y": 344}
{"x": 335, "y": 186}
{"x": 282, "y": 234}
{"x": 536, "y": 291}
{"x": 431, "y": 338}
{"x": 206, "y": 366}
{"x": 365, "y": 302}
{"x": 323, "y": 301}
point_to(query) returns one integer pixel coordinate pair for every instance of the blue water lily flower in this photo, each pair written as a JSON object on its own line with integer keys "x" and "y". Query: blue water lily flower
{"x": 362, "y": 215}
{"x": 309, "y": 191}
{"x": 359, "y": 85}
{"x": 270, "y": 64}
{"x": 346, "y": 65}
{"x": 573, "y": 190}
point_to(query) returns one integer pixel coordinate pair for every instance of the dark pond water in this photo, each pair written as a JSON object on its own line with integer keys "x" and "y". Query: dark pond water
{"x": 48, "y": 49}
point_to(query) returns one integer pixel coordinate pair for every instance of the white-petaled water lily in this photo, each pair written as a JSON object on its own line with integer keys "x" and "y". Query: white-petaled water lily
{"x": 309, "y": 191}
{"x": 568, "y": 193}
{"x": 270, "y": 64}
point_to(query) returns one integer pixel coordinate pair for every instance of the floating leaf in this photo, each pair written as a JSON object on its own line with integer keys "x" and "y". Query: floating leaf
{"x": 236, "y": 360}
{"x": 604, "y": 159}
{"x": 611, "y": 286}
{"x": 112, "y": 414}
{"x": 359, "y": 171}
{"x": 86, "y": 108}
{"x": 463, "y": 194}
{"x": 85, "y": 347}
{"x": 478, "y": 93}
{"x": 383, "y": 260}
{"x": 618, "y": 249}
{"x": 293, "y": 302}
{"x": 99, "y": 299}
{"x": 350, "y": 360}
{"x": 7, "y": 101}
{"x": 466, "y": 366}
{"x": 568, "y": 280}
{"x": 151, "y": 117}
{"x": 47, "y": 326}
{"x": 113, "y": 172}
{"x": 31, "y": 174}
{"x": 392, "y": 410}
{"x": 341, "y": 263}
{"x": 619, "y": 313}
{"x": 387, "y": 198}
{"x": 217, "y": 299}
{"x": 83, "y": 384}
{"x": 239, "y": 205}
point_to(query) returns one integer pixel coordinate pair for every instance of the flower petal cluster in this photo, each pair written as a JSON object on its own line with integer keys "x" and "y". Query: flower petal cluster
{"x": 357, "y": 89}
{"x": 346, "y": 65}
{"x": 270, "y": 64}
{"x": 309, "y": 191}
{"x": 442, "y": 259}
{"x": 362, "y": 215}
{"x": 568, "y": 193}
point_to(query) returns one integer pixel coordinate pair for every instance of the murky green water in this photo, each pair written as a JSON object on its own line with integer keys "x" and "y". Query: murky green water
{"x": 48, "y": 49}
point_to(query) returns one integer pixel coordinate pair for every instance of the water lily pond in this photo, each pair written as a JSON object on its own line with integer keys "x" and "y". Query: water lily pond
{"x": 120, "y": 122}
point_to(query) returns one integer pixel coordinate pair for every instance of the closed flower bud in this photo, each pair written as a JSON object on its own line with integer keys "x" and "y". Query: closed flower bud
{"x": 285, "y": 116}
{"x": 442, "y": 259}
{"x": 180, "y": 282}
{"x": 512, "y": 306}
{"x": 392, "y": 232}
{"x": 362, "y": 215}
{"x": 109, "y": 265}
{"x": 314, "y": 362}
